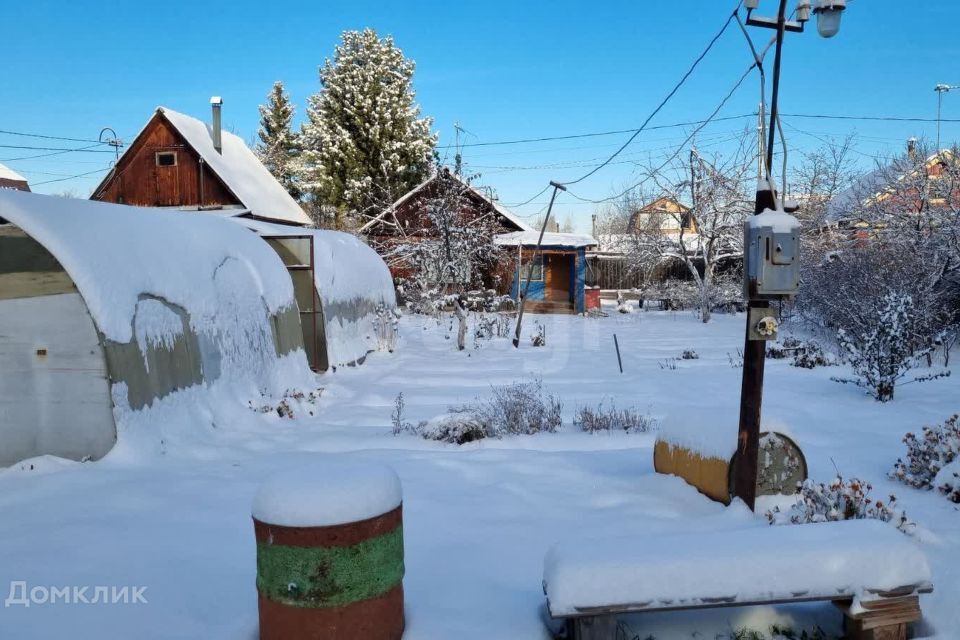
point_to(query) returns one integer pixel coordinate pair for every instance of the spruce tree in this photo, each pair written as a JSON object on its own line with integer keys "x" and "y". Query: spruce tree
{"x": 279, "y": 145}
{"x": 364, "y": 142}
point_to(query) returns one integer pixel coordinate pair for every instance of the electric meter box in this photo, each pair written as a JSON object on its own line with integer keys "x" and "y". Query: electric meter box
{"x": 771, "y": 242}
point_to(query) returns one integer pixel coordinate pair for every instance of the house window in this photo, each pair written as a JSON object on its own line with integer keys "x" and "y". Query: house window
{"x": 166, "y": 158}
{"x": 536, "y": 273}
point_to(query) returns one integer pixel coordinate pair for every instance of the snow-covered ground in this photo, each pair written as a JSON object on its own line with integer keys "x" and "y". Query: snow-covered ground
{"x": 169, "y": 508}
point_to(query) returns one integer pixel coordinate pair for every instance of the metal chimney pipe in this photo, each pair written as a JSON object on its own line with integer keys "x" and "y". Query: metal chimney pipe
{"x": 216, "y": 103}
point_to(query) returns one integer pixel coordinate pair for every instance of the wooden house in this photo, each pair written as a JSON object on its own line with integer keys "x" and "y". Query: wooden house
{"x": 664, "y": 215}
{"x": 406, "y": 221}
{"x": 557, "y": 272}
{"x": 10, "y": 179}
{"x": 180, "y": 162}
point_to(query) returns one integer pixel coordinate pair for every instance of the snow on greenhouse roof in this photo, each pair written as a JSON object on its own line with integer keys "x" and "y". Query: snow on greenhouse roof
{"x": 117, "y": 253}
{"x": 345, "y": 267}
{"x": 240, "y": 170}
{"x": 353, "y": 282}
{"x": 529, "y": 238}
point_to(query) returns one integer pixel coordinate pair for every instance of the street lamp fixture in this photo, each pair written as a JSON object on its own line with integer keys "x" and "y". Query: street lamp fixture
{"x": 828, "y": 14}
{"x": 942, "y": 89}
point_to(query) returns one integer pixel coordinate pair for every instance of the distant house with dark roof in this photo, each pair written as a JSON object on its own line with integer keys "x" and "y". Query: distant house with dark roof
{"x": 407, "y": 221}
{"x": 10, "y": 179}
{"x": 180, "y": 162}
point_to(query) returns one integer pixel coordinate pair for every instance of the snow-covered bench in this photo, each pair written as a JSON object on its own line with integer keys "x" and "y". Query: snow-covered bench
{"x": 870, "y": 570}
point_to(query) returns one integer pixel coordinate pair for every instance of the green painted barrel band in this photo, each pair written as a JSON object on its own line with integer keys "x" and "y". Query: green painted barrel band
{"x": 317, "y": 577}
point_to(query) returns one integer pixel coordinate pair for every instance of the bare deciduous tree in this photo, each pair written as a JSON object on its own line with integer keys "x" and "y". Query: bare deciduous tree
{"x": 450, "y": 250}
{"x": 709, "y": 232}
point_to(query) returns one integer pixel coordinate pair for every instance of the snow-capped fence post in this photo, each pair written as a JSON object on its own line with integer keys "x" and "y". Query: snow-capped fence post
{"x": 330, "y": 553}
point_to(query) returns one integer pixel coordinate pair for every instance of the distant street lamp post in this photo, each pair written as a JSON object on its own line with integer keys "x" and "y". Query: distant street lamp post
{"x": 942, "y": 89}
{"x": 828, "y": 13}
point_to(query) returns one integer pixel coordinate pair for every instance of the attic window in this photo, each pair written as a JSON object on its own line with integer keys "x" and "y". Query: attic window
{"x": 166, "y": 158}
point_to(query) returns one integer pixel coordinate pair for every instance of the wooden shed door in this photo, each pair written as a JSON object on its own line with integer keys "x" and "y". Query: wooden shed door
{"x": 556, "y": 278}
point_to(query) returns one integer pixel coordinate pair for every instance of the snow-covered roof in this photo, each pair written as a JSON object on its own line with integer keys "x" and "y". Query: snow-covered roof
{"x": 240, "y": 170}
{"x": 115, "y": 254}
{"x": 499, "y": 208}
{"x": 352, "y": 280}
{"x": 867, "y": 188}
{"x": 529, "y": 238}
{"x": 6, "y": 173}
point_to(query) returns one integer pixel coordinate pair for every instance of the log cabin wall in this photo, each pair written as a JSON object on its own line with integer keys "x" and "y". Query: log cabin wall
{"x": 161, "y": 170}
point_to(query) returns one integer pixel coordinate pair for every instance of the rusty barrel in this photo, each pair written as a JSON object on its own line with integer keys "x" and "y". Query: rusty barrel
{"x": 330, "y": 553}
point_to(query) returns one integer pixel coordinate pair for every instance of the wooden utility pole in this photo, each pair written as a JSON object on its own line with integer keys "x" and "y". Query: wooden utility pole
{"x": 755, "y": 351}
{"x": 536, "y": 252}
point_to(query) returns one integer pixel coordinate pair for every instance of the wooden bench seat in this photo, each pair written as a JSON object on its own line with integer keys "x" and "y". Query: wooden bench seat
{"x": 874, "y": 573}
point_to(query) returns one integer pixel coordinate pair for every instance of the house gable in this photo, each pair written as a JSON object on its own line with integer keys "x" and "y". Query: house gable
{"x": 161, "y": 169}
{"x": 408, "y": 216}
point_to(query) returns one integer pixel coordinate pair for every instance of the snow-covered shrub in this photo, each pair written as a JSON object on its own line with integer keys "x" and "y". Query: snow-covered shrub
{"x": 623, "y": 305}
{"x": 689, "y": 354}
{"x": 521, "y": 408}
{"x": 488, "y": 326}
{"x": 806, "y": 354}
{"x": 840, "y": 500}
{"x": 396, "y": 417}
{"x": 669, "y": 364}
{"x": 948, "y": 481}
{"x": 487, "y": 300}
{"x": 291, "y": 398}
{"x": 783, "y": 350}
{"x": 539, "y": 337}
{"x": 455, "y": 428}
{"x": 928, "y": 454}
{"x": 387, "y": 326}
{"x": 811, "y": 355}
{"x": 882, "y": 354}
{"x": 602, "y": 418}
{"x": 736, "y": 360}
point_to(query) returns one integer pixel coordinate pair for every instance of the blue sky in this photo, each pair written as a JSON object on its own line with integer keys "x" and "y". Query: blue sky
{"x": 504, "y": 70}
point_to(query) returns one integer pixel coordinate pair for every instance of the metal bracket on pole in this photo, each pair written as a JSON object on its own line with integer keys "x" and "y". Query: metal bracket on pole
{"x": 536, "y": 252}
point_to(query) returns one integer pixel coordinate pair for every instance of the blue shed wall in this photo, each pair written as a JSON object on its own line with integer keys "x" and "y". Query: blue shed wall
{"x": 578, "y": 279}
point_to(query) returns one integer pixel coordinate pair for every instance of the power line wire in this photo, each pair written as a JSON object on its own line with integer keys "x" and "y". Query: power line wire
{"x": 79, "y": 175}
{"x": 89, "y": 149}
{"x": 821, "y": 116}
{"x": 679, "y": 149}
{"x": 596, "y": 134}
{"x": 47, "y": 155}
{"x": 531, "y": 199}
{"x": 47, "y": 137}
{"x": 663, "y": 103}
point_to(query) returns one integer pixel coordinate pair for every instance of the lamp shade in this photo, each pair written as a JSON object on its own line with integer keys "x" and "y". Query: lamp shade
{"x": 829, "y": 13}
